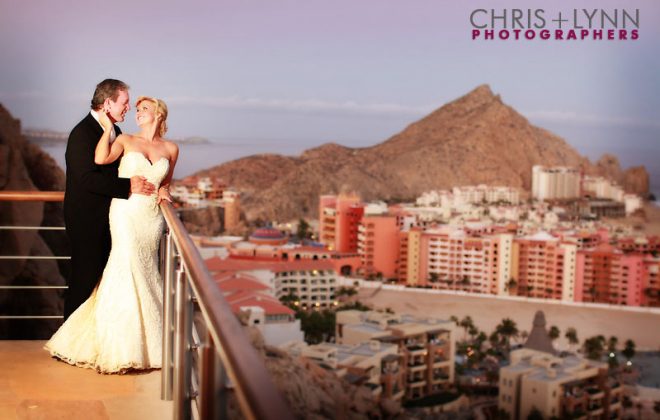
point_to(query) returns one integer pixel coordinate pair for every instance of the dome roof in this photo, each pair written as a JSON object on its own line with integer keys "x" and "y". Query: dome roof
{"x": 268, "y": 236}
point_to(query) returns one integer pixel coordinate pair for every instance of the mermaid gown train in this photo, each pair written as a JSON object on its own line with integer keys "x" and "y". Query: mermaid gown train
{"x": 119, "y": 326}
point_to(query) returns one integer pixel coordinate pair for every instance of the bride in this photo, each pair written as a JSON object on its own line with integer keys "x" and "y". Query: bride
{"x": 119, "y": 327}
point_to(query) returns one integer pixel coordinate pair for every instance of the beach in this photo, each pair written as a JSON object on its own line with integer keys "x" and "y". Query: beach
{"x": 638, "y": 324}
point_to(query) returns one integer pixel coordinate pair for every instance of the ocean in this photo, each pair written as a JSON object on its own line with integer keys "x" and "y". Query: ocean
{"x": 196, "y": 157}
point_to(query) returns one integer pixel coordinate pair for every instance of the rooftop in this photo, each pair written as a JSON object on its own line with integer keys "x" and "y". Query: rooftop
{"x": 238, "y": 264}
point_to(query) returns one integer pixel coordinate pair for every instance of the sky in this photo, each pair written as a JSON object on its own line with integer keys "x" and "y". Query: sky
{"x": 294, "y": 74}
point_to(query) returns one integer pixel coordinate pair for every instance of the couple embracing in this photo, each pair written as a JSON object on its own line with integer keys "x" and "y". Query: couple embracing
{"x": 114, "y": 183}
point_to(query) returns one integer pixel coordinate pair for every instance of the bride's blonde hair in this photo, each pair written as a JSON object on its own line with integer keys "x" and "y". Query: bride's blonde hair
{"x": 160, "y": 110}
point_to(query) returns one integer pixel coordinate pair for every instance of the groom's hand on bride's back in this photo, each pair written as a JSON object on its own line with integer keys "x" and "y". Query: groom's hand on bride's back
{"x": 140, "y": 185}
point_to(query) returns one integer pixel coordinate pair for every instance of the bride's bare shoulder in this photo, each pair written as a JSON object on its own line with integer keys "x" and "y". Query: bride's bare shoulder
{"x": 171, "y": 147}
{"x": 125, "y": 139}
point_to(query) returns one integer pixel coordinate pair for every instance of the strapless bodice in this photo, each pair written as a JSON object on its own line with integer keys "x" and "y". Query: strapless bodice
{"x": 135, "y": 163}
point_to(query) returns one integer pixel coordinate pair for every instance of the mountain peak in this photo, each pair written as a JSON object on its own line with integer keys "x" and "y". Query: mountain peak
{"x": 475, "y": 139}
{"x": 481, "y": 91}
{"x": 481, "y": 95}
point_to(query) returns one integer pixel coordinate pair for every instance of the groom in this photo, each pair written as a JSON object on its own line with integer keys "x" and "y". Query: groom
{"x": 89, "y": 190}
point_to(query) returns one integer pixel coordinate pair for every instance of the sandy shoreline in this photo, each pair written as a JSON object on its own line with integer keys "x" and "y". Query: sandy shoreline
{"x": 642, "y": 327}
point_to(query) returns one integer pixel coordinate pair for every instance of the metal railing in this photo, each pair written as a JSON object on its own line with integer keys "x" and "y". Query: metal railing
{"x": 51, "y": 196}
{"x": 207, "y": 356}
{"x": 206, "y": 352}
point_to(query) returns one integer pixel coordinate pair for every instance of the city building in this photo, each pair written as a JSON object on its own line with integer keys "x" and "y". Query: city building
{"x": 599, "y": 187}
{"x": 199, "y": 192}
{"x": 268, "y": 236}
{"x": 339, "y": 217}
{"x": 427, "y": 346}
{"x": 312, "y": 282}
{"x": 460, "y": 196}
{"x": 543, "y": 267}
{"x": 560, "y": 387}
{"x": 247, "y": 296}
{"x": 597, "y": 208}
{"x": 555, "y": 183}
{"x": 373, "y": 364}
{"x": 640, "y": 244}
{"x": 651, "y": 284}
{"x": 458, "y": 259}
{"x": 557, "y": 387}
{"x": 378, "y": 245}
{"x": 232, "y": 204}
{"x": 608, "y": 275}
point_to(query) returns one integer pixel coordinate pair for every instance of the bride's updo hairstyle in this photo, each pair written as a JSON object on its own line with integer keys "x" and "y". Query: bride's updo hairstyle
{"x": 160, "y": 111}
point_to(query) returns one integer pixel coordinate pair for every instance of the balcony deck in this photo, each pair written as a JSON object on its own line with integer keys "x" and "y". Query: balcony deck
{"x": 35, "y": 386}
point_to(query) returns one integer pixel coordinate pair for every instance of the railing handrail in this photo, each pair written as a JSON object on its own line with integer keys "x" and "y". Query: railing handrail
{"x": 32, "y": 195}
{"x": 256, "y": 393}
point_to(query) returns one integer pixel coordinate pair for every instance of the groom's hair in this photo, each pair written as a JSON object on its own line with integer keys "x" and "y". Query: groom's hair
{"x": 109, "y": 88}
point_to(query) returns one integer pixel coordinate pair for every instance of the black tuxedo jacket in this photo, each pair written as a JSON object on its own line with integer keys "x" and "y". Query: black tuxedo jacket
{"x": 90, "y": 187}
{"x": 89, "y": 191}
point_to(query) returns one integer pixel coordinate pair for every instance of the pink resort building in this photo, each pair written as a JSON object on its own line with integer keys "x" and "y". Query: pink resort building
{"x": 339, "y": 217}
{"x": 543, "y": 267}
{"x": 608, "y": 275}
{"x": 651, "y": 283}
{"x": 378, "y": 245}
{"x": 449, "y": 258}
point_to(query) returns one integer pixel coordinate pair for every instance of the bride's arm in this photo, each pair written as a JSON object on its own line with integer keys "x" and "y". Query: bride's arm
{"x": 106, "y": 153}
{"x": 164, "y": 190}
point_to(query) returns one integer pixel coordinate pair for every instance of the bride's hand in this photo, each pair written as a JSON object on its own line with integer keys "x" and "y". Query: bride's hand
{"x": 105, "y": 120}
{"x": 164, "y": 194}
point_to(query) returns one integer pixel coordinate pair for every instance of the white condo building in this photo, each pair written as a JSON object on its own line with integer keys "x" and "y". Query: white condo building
{"x": 555, "y": 183}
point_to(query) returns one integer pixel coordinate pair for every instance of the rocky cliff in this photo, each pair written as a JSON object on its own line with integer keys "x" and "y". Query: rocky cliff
{"x": 25, "y": 167}
{"x": 476, "y": 139}
{"x": 315, "y": 393}
{"x": 635, "y": 179}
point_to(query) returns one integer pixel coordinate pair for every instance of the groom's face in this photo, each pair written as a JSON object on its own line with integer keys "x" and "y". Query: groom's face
{"x": 118, "y": 109}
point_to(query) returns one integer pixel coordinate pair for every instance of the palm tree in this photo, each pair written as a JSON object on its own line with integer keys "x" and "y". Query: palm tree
{"x": 434, "y": 277}
{"x": 480, "y": 340}
{"x": 524, "y": 335}
{"x": 629, "y": 350}
{"x": 346, "y": 291}
{"x": 494, "y": 340}
{"x": 507, "y": 329}
{"x": 473, "y": 331}
{"x": 612, "y": 343}
{"x": 511, "y": 284}
{"x": 554, "y": 333}
{"x": 454, "y": 319}
{"x": 466, "y": 323}
{"x": 571, "y": 336}
{"x": 593, "y": 348}
{"x": 291, "y": 300}
{"x": 303, "y": 231}
{"x": 535, "y": 414}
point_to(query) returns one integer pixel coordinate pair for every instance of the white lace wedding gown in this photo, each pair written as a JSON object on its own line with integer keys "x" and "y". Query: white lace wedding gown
{"x": 119, "y": 327}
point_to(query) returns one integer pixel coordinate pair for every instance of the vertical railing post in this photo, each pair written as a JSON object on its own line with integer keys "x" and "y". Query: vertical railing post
{"x": 213, "y": 391}
{"x": 182, "y": 355}
{"x": 168, "y": 262}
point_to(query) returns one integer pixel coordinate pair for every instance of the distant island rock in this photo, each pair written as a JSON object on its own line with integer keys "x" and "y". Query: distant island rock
{"x": 475, "y": 139}
{"x": 53, "y": 138}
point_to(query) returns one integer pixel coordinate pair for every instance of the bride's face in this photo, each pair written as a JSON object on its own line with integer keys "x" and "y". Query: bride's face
{"x": 145, "y": 113}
